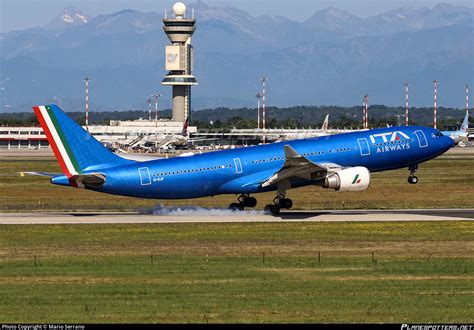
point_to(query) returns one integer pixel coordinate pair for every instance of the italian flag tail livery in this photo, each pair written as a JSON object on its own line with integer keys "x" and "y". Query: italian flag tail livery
{"x": 75, "y": 149}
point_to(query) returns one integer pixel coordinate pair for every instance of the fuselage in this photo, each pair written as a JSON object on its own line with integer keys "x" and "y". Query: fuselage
{"x": 241, "y": 171}
{"x": 456, "y": 136}
{"x": 462, "y": 134}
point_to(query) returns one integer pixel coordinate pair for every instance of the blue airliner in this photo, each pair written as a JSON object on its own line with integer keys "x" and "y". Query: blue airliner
{"x": 343, "y": 162}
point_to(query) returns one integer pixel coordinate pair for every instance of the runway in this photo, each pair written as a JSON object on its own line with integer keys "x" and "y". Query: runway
{"x": 200, "y": 215}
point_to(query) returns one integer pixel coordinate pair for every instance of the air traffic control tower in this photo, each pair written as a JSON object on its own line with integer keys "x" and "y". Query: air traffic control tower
{"x": 179, "y": 60}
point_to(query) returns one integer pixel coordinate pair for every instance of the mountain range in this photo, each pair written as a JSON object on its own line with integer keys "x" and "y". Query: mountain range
{"x": 333, "y": 57}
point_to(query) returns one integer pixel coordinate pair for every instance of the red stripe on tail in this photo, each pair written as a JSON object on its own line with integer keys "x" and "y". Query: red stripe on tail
{"x": 52, "y": 143}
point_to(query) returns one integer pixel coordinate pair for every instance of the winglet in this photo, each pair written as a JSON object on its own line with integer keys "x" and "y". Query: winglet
{"x": 290, "y": 152}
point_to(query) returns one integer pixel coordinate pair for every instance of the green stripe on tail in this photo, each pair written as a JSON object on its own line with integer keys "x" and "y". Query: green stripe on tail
{"x": 63, "y": 139}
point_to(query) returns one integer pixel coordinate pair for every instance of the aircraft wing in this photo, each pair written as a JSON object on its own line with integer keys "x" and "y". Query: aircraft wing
{"x": 298, "y": 166}
{"x": 203, "y": 139}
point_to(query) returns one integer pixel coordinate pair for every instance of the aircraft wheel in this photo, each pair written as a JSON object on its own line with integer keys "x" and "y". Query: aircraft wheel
{"x": 250, "y": 201}
{"x": 412, "y": 179}
{"x": 273, "y": 209}
{"x": 285, "y": 203}
{"x": 236, "y": 207}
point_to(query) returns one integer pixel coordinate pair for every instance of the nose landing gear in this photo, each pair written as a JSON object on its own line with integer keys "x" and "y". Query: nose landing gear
{"x": 413, "y": 179}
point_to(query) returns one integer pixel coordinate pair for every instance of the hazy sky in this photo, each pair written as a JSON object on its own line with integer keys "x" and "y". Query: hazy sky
{"x": 22, "y": 14}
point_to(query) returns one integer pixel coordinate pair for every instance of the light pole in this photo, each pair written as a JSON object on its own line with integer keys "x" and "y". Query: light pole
{"x": 467, "y": 99}
{"x": 406, "y": 102}
{"x": 156, "y": 96}
{"x": 259, "y": 96}
{"x": 87, "y": 102}
{"x": 264, "y": 80}
{"x": 366, "y": 111}
{"x": 435, "y": 83}
{"x": 149, "y": 109}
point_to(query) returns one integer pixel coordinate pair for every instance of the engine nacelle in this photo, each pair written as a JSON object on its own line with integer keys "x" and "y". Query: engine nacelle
{"x": 349, "y": 179}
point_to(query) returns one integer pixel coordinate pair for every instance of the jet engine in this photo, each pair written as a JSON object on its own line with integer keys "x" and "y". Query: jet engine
{"x": 349, "y": 179}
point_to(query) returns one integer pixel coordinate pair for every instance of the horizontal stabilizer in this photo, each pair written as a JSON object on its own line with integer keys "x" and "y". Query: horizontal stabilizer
{"x": 49, "y": 175}
{"x": 80, "y": 180}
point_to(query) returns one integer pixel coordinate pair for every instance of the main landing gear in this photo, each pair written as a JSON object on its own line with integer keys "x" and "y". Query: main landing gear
{"x": 280, "y": 202}
{"x": 413, "y": 179}
{"x": 244, "y": 201}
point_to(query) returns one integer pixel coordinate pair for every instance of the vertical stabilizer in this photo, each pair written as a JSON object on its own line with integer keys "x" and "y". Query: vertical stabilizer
{"x": 75, "y": 149}
{"x": 325, "y": 123}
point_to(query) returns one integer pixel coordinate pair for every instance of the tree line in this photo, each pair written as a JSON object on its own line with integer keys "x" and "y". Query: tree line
{"x": 276, "y": 117}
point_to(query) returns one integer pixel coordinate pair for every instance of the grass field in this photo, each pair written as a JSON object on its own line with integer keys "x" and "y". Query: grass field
{"x": 406, "y": 272}
{"x": 420, "y": 272}
{"x": 444, "y": 183}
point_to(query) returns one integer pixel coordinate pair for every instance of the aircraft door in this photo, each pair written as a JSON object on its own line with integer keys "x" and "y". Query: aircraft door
{"x": 238, "y": 165}
{"x": 364, "y": 147}
{"x": 144, "y": 176}
{"x": 422, "y": 141}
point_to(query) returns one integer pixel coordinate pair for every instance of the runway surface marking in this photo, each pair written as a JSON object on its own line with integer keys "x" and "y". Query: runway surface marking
{"x": 222, "y": 216}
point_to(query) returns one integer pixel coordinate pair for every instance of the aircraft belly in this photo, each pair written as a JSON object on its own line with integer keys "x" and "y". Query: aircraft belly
{"x": 128, "y": 182}
{"x": 187, "y": 187}
{"x": 246, "y": 184}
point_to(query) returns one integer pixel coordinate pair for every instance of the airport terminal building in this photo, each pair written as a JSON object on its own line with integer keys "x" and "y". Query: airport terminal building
{"x": 120, "y": 132}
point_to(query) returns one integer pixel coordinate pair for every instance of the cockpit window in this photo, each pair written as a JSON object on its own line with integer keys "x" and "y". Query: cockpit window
{"x": 439, "y": 134}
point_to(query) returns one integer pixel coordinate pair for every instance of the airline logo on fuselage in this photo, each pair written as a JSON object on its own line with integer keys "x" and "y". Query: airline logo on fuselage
{"x": 384, "y": 141}
{"x": 356, "y": 179}
{"x": 394, "y": 136}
